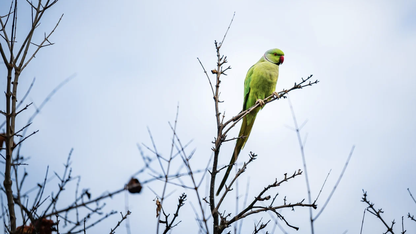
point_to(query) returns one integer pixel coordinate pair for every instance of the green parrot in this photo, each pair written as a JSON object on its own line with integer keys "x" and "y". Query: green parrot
{"x": 260, "y": 83}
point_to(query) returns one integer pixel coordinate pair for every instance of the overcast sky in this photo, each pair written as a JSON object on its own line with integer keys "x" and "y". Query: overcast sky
{"x": 134, "y": 62}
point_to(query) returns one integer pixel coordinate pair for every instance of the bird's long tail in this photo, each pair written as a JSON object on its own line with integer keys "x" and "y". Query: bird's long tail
{"x": 241, "y": 141}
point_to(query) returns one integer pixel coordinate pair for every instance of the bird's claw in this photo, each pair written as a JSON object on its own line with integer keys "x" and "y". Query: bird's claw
{"x": 276, "y": 94}
{"x": 260, "y": 101}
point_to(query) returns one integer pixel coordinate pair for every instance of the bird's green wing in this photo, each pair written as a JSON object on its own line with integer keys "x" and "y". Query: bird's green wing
{"x": 247, "y": 82}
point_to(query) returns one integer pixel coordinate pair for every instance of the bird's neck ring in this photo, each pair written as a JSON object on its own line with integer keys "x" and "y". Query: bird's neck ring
{"x": 265, "y": 57}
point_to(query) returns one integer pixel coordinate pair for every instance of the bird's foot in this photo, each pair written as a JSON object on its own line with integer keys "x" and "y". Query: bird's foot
{"x": 276, "y": 94}
{"x": 260, "y": 101}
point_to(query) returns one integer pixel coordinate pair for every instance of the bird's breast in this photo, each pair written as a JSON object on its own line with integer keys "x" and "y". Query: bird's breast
{"x": 266, "y": 75}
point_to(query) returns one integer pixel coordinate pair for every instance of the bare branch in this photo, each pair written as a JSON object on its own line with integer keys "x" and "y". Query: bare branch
{"x": 254, "y": 209}
{"x": 412, "y": 217}
{"x": 271, "y": 98}
{"x": 323, "y": 185}
{"x": 403, "y": 230}
{"x": 259, "y": 226}
{"x": 172, "y": 224}
{"x": 336, "y": 184}
{"x": 50, "y": 95}
{"x": 301, "y": 146}
{"x": 33, "y": 133}
{"x": 123, "y": 217}
{"x": 226, "y": 32}
{"x": 362, "y": 222}
{"x": 41, "y": 45}
{"x": 239, "y": 172}
{"x": 185, "y": 160}
{"x": 377, "y": 213}
{"x": 209, "y": 80}
{"x": 3, "y": 55}
{"x": 411, "y": 195}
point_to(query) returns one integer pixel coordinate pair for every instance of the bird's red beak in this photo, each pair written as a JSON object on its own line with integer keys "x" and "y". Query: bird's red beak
{"x": 282, "y": 58}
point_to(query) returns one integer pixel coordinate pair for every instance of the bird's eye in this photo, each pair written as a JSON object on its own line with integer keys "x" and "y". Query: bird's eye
{"x": 275, "y": 54}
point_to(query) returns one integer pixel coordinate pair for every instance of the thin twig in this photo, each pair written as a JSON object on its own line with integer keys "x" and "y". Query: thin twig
{"x": 206, "y": 74}
{"x": 226, "y": 32}
{"x": 166, "y": 174}
{"x": 362, "y": 221}
{"x": 252, "y": 208}
{"x": 411, "y": 195}
{"x": 221, "y": 60}
{"x": 377, "y": 213}
{"x": 301, "y": 146}
{"x": 337, "y": 183}
{"x": 323, "y": 185}
{"x": 259, "y": 226}
{"x": 123, "y": 217}
{"x": 186, "y": 162}
{"x": 172, "y": 224}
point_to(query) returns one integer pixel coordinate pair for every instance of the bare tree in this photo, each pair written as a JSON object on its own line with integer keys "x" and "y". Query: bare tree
{"x": 214, "y": 219}
{"x": 16, "y": 57}
{"x": 209, "y": 211}
{"x": 17, "y": 51}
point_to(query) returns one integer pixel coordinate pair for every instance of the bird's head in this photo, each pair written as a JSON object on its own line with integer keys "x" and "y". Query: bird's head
{"x": 275, "y": 56}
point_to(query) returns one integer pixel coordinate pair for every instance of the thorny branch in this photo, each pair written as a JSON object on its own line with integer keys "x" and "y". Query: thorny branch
{"x": 377, "y": 212}
{"x": 259, "y": 226}
{"x": 123, "y": 217}
{"x": 15, "y": 62}
{"x": 239, "y": 172}
{"x": 186, "y": 161}
{"x": 411, "y": 217}
{"x": 221, "y": 60}
{"x": 172, "y": 224}
{"x": 282, "y": 94}
{"x": 67, "y": 177}
{"x": 252, "y": 208}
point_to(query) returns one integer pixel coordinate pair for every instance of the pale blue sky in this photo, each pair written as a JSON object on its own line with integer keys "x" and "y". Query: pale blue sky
{"x": 136, "y": 60}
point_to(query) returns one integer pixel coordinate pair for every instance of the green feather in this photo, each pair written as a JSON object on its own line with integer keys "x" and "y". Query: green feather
{"x": 260, "y": 83}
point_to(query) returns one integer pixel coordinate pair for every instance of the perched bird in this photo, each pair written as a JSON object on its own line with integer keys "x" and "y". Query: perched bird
{"x": 260, "y": 83}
